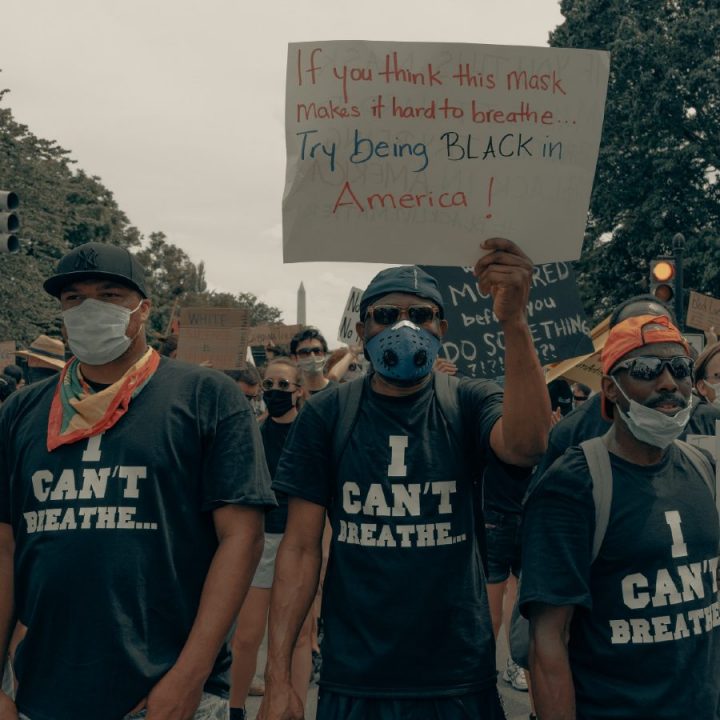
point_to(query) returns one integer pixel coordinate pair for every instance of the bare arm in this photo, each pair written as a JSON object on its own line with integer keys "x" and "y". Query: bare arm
{"x": 240, "y": 534}
{"x": 552, "y": 682}
{"x": 520, "y": 436}
{"x": 338, "y": 370}
{"x": 7, "y": 609}
{"x": 297, "y": 572}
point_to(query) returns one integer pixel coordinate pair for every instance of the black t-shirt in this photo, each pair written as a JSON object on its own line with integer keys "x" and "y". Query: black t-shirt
{"x": 504, "y": 487}
{"x": 114, "y": 536}
{"x": 404, "y": 606}
{"x": 274, "y": 435}
{"x": 645, "y": 632}
{"x": 582, "y": 423}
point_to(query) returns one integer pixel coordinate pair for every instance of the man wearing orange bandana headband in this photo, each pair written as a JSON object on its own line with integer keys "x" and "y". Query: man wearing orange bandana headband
{"x": 627, "y": 624}
{"x": 132, "y": 498}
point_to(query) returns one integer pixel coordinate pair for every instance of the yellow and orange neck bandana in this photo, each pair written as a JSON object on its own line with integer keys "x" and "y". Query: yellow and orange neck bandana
{"x": 78, "y": 412}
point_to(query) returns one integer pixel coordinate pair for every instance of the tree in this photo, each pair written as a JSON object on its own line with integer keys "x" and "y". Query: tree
{"x": 175, "y": 281}
{"x": 658, "y": 166}
{"x": 59, "y": 209}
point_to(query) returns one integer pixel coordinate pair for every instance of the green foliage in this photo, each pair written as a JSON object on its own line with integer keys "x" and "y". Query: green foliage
{"x": 657, "y": 170}
{"x": 175, "y": 282}
{"x": 61, "y": 208}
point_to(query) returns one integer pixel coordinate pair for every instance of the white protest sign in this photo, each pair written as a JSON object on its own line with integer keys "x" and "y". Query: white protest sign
{"x": 703, "y": 311}
{"x": 351, "y": 316}
{"x": 416, "y": 152}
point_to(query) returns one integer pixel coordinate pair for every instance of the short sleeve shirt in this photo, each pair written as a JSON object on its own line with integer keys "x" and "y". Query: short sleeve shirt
{"x": 404, "y": 605}
{"x": 645, "y": 631}
{"x": 114, "y": 536}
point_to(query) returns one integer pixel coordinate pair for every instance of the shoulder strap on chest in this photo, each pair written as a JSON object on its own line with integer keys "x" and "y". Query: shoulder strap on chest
{"x": 446, "y": 392}
{"x": 349, "y": 397}
{"x": 700, "y": 462}
{"x": 598, "y": 460}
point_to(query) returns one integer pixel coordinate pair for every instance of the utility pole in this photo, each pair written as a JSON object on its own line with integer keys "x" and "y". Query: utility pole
{"x": 678, "y": 243}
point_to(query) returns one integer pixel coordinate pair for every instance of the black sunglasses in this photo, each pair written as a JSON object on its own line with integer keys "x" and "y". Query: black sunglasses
{"x": 307, "y": 352}
{"x": 390, "y": 314}
{"x": 649, "y": 368}
{"x": 283, "y": 384}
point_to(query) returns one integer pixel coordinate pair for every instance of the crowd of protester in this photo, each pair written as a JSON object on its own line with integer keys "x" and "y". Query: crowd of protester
{"x": 413, "y": 514}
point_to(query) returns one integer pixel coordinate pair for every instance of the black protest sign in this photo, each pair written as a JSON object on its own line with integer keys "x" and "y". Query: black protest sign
{"x": 474, "y": 340}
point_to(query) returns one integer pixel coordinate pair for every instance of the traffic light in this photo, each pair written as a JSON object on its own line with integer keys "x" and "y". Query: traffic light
{"x": 9, "y": 222}
{"x": 663, "y": 277}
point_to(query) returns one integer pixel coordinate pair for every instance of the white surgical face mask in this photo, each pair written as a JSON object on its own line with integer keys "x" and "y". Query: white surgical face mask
{"x": 96, "y": 331}
{"x": 715, "y": 387}
{"x": 312, "y": 365}
{"x": 652, "y": 426}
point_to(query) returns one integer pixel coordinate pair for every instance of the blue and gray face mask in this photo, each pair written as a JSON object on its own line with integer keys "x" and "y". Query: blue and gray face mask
{"x": 403, "y": 352}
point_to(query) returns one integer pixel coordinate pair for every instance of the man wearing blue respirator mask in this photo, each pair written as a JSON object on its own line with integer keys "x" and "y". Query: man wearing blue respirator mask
{"x": 392, "y": 457}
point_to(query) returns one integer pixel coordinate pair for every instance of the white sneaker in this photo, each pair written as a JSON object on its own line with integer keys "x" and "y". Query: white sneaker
{"x": 514, "y": 675}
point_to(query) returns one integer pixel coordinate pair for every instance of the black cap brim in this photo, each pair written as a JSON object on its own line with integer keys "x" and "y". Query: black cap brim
{"x": 55, "y": 284}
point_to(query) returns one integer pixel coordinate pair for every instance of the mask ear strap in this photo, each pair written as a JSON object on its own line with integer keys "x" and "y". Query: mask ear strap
{"x": 619, "y": 387}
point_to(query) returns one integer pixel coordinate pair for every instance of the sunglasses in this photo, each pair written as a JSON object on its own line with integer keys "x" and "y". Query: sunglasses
{"x": 390, "y": 314}
{"x": 650, "y": 368}
{"x": 307, "y": 352}
{"x": 283, "y": 384}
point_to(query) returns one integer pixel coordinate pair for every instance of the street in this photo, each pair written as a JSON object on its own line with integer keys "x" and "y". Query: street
{"x": 516, "y": 703}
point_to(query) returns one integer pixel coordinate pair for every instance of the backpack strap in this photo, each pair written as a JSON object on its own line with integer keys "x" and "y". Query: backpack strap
{"x": 446, "y": 392}
{"x": 349, "y": 397}
{"x": 598, "y": 461}
{"x": 702, "y": 465}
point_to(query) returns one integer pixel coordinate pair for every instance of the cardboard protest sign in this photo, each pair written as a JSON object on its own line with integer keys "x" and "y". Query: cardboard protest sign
{"x": 214, "y": 335}
{"x": 7, "y": 353}
{"x": 474, "y": 340}
{"x": 351, "y": 316}
{"x": 585, "y": 369}
{"x": 416, "y": 152}
{"x": 273, "y": 334}
{"x": 703, "y": 311}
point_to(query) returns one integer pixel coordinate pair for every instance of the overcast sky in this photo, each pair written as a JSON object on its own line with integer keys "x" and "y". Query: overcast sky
{"x": 178, "y": 107}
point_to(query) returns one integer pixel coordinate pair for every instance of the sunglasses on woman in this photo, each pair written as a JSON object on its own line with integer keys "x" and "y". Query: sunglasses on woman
{"x": 390, "y": 314}
{"x": 650, "y": 368}
{"x": 282, "y": 384}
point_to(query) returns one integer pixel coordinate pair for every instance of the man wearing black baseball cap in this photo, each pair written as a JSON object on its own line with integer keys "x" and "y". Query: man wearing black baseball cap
{"x": 132, "y": 494}
{"x": 392, "y": 459}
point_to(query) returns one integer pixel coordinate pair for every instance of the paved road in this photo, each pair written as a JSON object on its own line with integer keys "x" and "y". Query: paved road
{"x": 516, "y": 703}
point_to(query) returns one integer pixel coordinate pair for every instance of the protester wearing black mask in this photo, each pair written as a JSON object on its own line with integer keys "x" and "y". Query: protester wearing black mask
{"x": 282, "y": 391}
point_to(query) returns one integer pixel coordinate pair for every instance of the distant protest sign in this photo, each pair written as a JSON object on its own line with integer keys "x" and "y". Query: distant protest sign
{"x": 703, "y": 312}
{"x": 217, "y": 336}
{"x": 7, "y": 352}
{"x": 474, "y": 340}
{"x": 416, "y": 152}
{"x": 351, "y": 316}
{"x": 585, "y": 369}
{"x": 273, "y": 334}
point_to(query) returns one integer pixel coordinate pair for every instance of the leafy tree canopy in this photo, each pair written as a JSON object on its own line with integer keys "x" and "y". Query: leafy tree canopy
{"x": 62, "y": 207}
{"x": 658, "y": 167}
